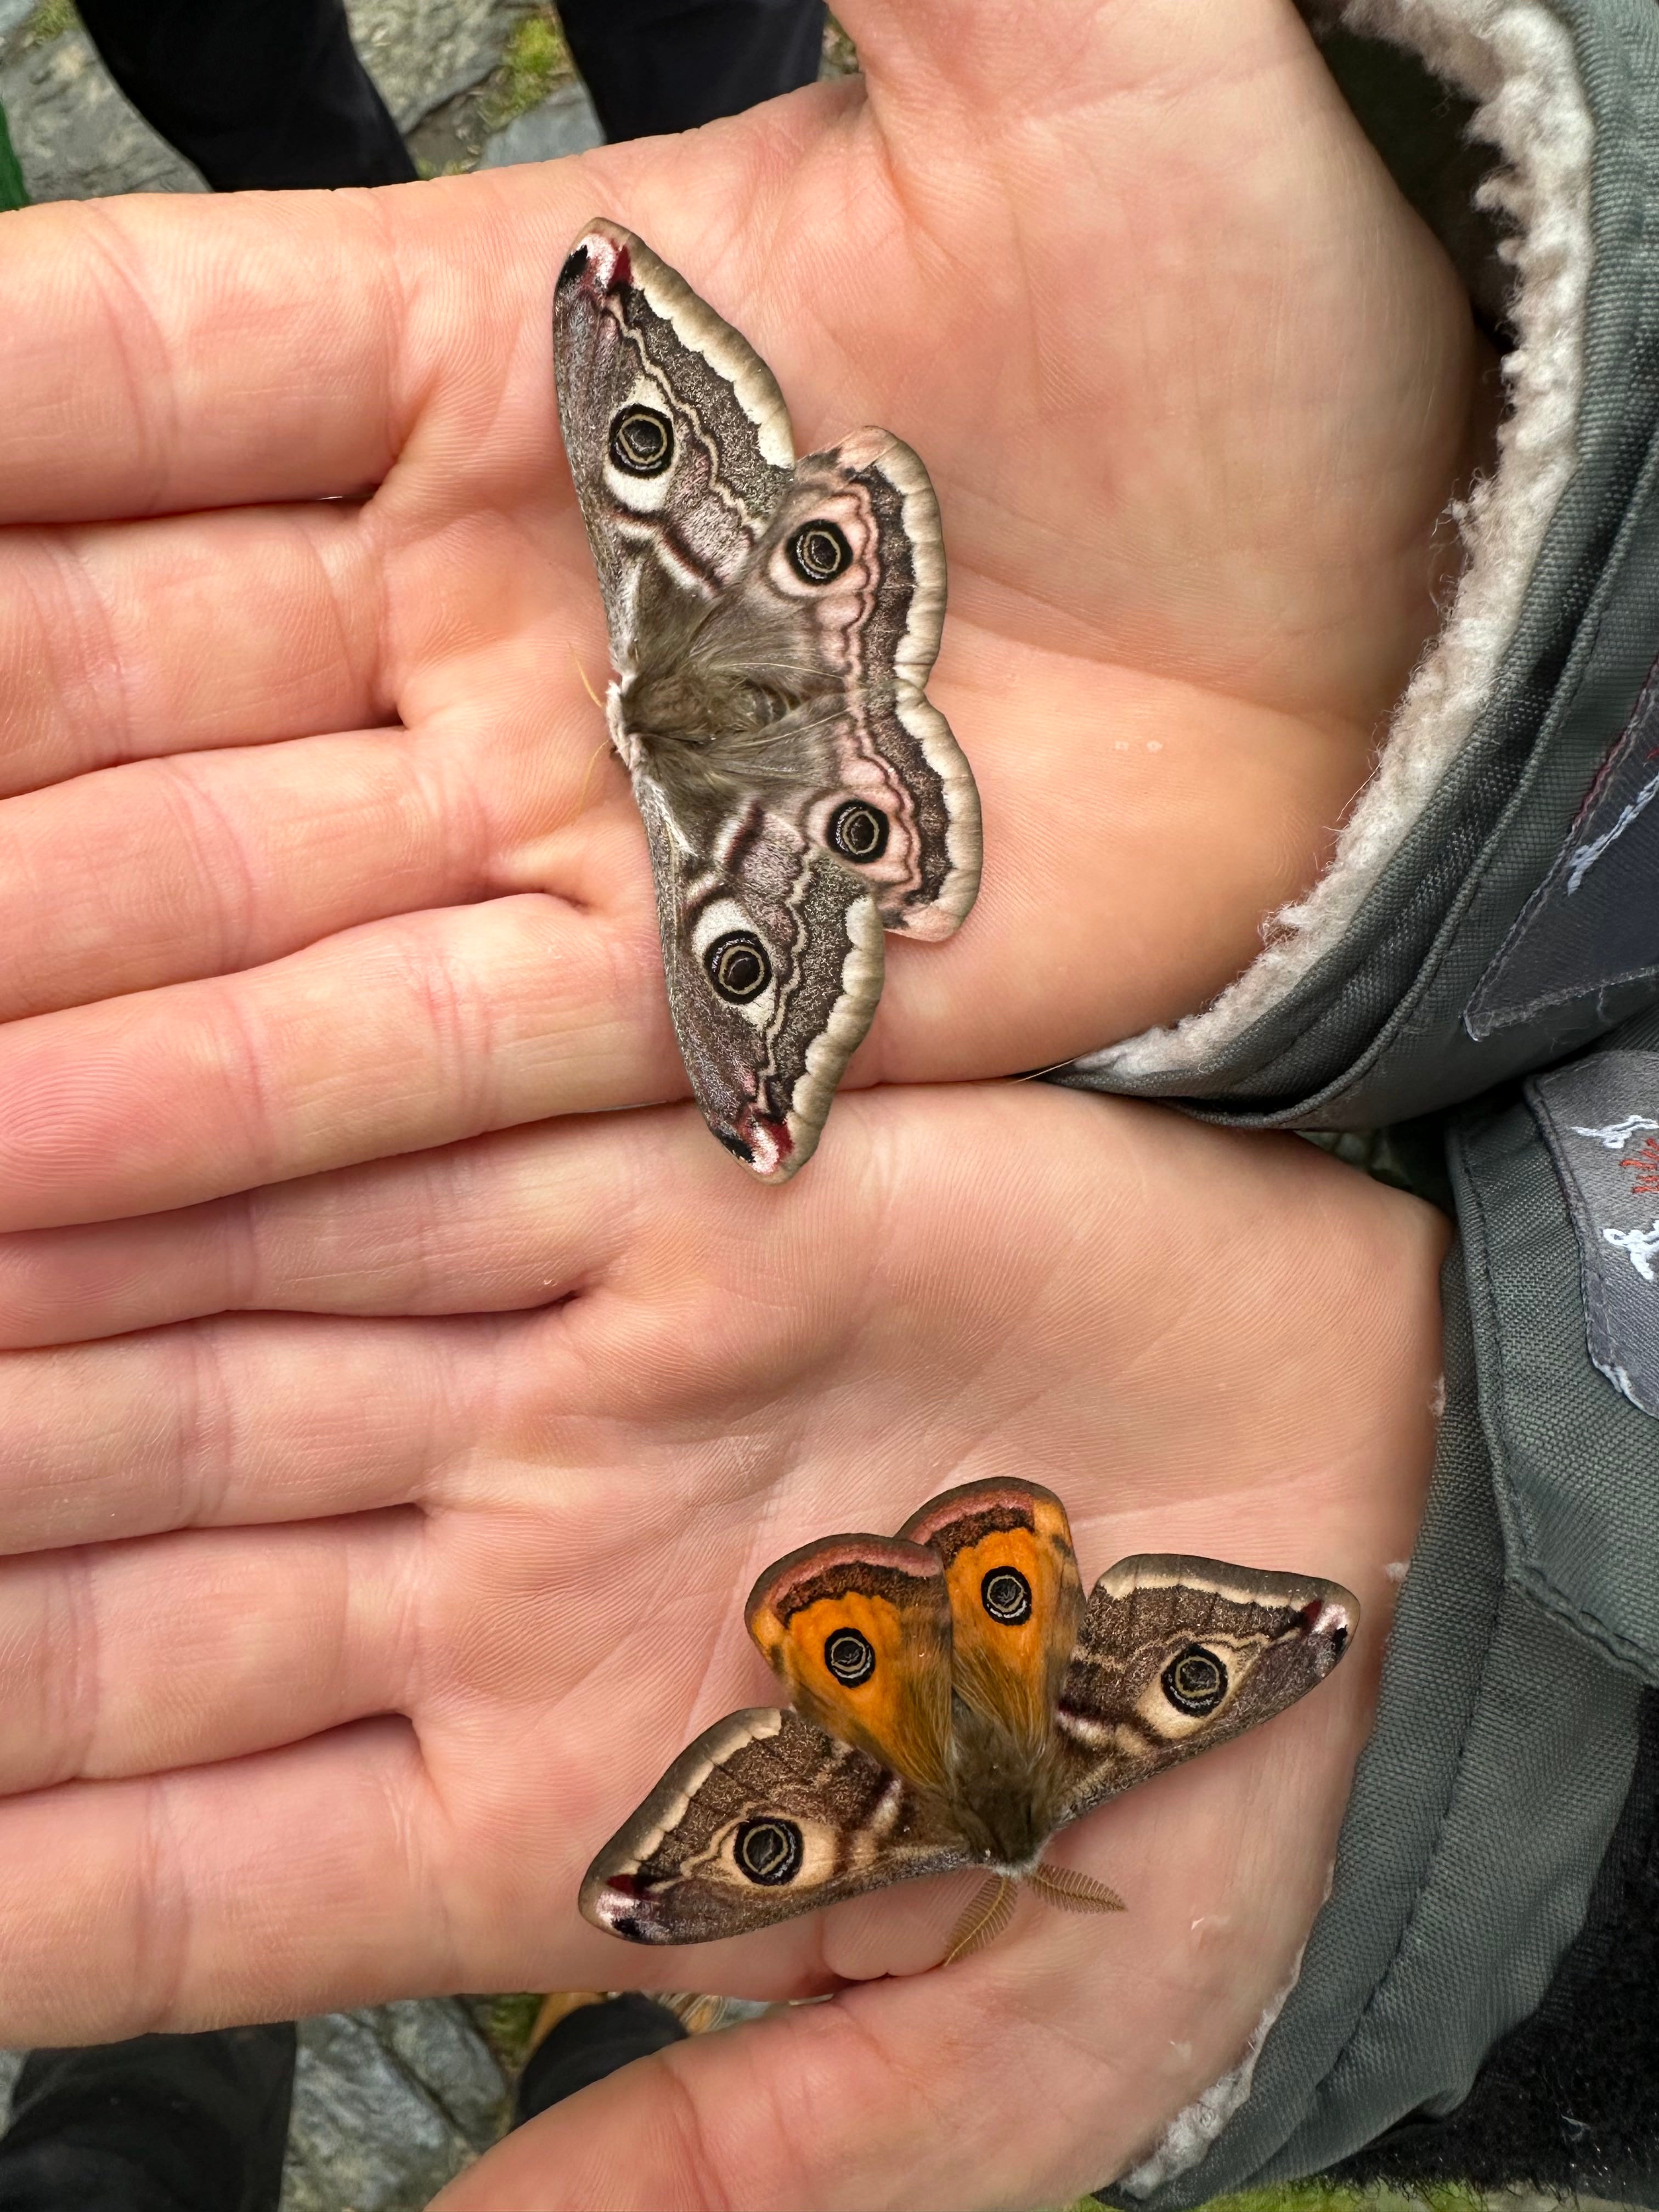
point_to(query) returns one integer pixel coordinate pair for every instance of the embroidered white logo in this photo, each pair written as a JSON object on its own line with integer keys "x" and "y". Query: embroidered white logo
{"x": 1599, "y": 1117}
{"x": 1615, "y": 1136}
{"x": 1643, "y": 1246}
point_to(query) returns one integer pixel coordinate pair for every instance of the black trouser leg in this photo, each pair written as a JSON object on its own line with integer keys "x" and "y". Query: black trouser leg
{"x": 588, "y": 2043}
{"x": 163, "y": 2124}
{"x": 258, "y": 93}
{"x": 656, "y": 65}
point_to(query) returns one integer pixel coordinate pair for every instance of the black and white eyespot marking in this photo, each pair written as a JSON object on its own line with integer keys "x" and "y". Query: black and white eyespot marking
{"x": 858, "y": 832}
{"x": 1006, "y": 1596}
{"x": 641, "y": 441}
{"x": 819, "y": 551}
{"x": 737, "y": 967}
{"x": 849, "y": 1656}
{"x": 1194, "y": 1682}
{"x": 768, "y": 1850}
{"x": 574, "y": 262}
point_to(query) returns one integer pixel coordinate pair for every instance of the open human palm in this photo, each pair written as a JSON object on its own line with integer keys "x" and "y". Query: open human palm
{"x": 392, "y": 1426}
{"x": 313, "y": 852}
{"x": 432, "y": 1601}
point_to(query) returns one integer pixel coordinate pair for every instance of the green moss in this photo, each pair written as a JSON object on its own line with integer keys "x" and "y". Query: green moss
{"x": 841, "y": 56}
{"x": 535, "y": 60}
{"x": 506, "y": 2022}
{"x": 49, "y": 21}
{"x": 1318, "y": 2196}
{"x": 12, "y": 192}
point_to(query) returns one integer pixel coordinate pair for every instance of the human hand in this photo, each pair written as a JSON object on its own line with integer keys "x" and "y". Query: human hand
{"x": 346, "y": 1630}
{"x": 311, "y": 852}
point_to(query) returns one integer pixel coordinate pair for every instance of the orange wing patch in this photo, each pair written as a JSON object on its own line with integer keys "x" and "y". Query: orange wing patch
{"x": 859, "y": 1628}
{"x": 1016, "y": 1600}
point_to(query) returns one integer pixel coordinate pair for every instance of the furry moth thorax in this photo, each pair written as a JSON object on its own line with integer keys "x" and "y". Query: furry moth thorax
{"x": 773, "y": 623}
{"x": 954, "y": 1702}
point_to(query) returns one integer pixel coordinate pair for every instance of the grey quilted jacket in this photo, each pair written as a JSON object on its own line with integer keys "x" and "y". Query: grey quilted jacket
{"x": 1475, "y": 984}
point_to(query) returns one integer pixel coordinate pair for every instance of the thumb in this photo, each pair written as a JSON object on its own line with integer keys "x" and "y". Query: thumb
{"x": 915, "y": 2094}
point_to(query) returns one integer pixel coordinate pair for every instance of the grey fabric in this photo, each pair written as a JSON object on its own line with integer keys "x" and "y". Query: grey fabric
{"x": 1502, "y": 1754}
{"x": 1575, "y": 1465}
{"x": 1376, "y": 1032}
{"x": 1567, "y": 2104}
{"x": 1593, "y": 920}
{"x": 1506, "y": 1734}
{"x": 1600, "y": 1116}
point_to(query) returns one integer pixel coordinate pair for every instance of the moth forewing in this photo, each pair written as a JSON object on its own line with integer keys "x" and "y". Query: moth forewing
{"x": 858, "y": 1629}
{"x": 1016, "y": 1600}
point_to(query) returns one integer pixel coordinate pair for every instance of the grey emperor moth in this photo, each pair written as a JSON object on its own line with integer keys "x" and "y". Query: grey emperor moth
{"x": 773, "y": 623}
{"x": 955, "y": 1702}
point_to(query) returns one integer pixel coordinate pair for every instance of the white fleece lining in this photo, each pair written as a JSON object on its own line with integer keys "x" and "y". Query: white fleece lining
{"x": 1516, "y": 60}
{"x": 1195, "y": 2126}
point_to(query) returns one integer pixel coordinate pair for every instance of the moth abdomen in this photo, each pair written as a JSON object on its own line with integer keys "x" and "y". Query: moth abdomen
{"x": 1008, "y": 1791}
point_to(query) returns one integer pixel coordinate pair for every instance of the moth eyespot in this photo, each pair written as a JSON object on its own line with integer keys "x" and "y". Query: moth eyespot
{"x": 849, "y": 1656}
{"x": 574, "y": 262}
{"x": 1194, "y": 1682}
{"x": 858, "y": 832}
{"x": 737, "y": 967}
{"x": 769, "y": 1851}
{"x": 641, "y": 441}
{"x": 819, "y": 551}
{"x": 1006, "y": 1596}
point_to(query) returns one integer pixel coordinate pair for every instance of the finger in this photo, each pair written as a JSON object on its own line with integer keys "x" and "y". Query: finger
{"x": 167, "y": 871}
{"x": 132, "y": 1658}
{"x": 286, "y": 348}
{"x": 236, "y": 1422}
{"x": 168, "y": 637}
{"x": 398, "y": 1036}
{"x": 262, "y": 1889}
{"x": 907, "y": 2093}
{"x": 524, "y": 1218}
{"x": 346, "y": 1870}
{"x": 825, "y": 2106}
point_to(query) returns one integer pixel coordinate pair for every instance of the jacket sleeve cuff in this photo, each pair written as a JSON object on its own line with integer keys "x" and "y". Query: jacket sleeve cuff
{"x": 1488, "y": 908}
{"x": 1507, "y": 1727}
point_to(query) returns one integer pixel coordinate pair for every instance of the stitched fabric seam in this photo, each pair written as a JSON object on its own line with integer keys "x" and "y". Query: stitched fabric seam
{"x": 1630, "y": 1657}
{"x": 1514, "y": 1017}
{"x": 1532, "y": 1567}
{"x": 1324, "y": 2087}
{"x": 1521, "y": 926}
{"x": 1430, "y": 1863}
{"x": 1590, "y": 1283}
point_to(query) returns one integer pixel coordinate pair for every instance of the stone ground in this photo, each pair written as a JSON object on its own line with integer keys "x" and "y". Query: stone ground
{"x": 389, "y": 2104}
{"x": 471, "y": 83}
